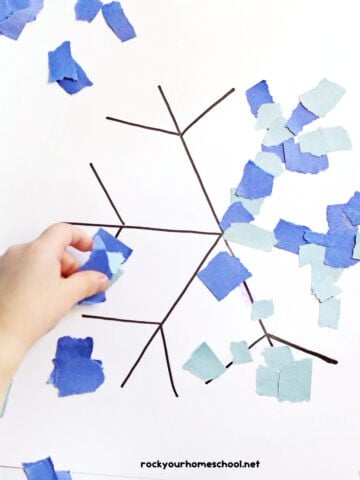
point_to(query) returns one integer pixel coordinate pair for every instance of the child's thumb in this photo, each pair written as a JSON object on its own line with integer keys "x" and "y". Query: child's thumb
{"x": 84, "y": 284}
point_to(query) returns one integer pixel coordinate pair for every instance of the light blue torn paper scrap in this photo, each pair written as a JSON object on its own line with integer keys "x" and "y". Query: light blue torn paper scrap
{"x": 325, "y": 140}
{"x": 240, "y": 352}
{"x": 270, "y": 162}
{"x": 276, "y": 135}
{"x": 251, "y": 236}
{"x": 311, "y": 254}
{"x": 356, "y": 251}
{"x": 319, "y": 271}
{"x": 267, "y": 381}
{"x": 261, "y": 309}
{"x": 295, "y": 381}
{"x": 267, "y": 114}
{"x": 252, "y": 206}
{"x": 204, "y": 364}
{"x": 329, "y": 313}
{"x": 325, "y": 289}
{"x": 278, "y": 357}
{"x": 323, "y": 98}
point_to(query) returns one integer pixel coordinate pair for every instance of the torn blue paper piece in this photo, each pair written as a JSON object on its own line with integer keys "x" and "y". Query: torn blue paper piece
{"x": 300, "y": 117}
{"x": 112, "y": 244}
{"x": 261, "y": 309}
{"x": 276, "y": 135}
{"x": 74, "y": 371}
{"x": 339, "y": 255}
{"x": 270, "y": 163}
{"x": 204, "y": 364}
{"x": 251, "y": 236}
{"x": 72, "y": 86}
{"x": 257, "y": 96}
{"x": 240, "y": 352}
{"x": 267, "y": 114}
{"x": 325, "y": 140}
{"x": 277, "y": 149}
{"x": 290, "y": 236}
{"x": 255, "y": 182}
{"x": 277, "y": 357}
{"x": 329, "y": 313}
{"x": 324, "y": 289}
{"x": 16, "y": 14}
{"x": 236, "y": 213}
{"x": 223, "y": 274}
{"x": 252, "y": 206}
{"x": 61, "y": 63}
{"x": 40, "y": 470}
{"x": 356, "y": 250}
{"x": 117, "y": 21}
{"x": 323, "y": 239}
{"x": 323, "y": 98}
{"x": 352, "y": 209}
{"x": 267, "y": 381}
{"x": 296, "y": 161}
{"x": 295, "y": 381}
{"x": 87, "y": 9}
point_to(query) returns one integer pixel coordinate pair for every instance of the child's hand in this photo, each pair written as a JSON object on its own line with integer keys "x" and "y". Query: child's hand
{"x": 38, "y": 285}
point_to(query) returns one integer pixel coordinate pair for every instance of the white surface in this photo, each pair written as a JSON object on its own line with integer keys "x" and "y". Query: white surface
{"x": 196, "y": 51}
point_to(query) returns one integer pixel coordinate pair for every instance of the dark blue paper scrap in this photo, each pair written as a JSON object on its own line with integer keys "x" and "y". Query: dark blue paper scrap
{"x": 40, "y": 470}
{"x": 277, "y": 149}
{"x": 223, "y": 274}
{"x": 352, "y": 209}
{"x": 14, "y": 17}
{"x": 73, "y": 86}
{"x": 236, "y": 213}
{"x": 87, "y": 9}
{"x": 290, "y": 236}
{"x": 98, "y": 261}
{"x": 61, "y": 63}
{"x": 323, "y": 239}
{"x": 257, "y": 95}
{"x": 74, "y": 371}
{"x": 296, "y": 161}
{"x": 112, "y": 244}
{"x": 300, "y": 117}
{"x": 117, "y": 21}
{"x": 255, "y": 182}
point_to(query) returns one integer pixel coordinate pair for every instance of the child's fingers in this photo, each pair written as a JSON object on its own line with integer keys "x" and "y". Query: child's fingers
{"x": 69, "y": 264}
{"x": 84, "y": 284}
{"x": 62, "y": 235}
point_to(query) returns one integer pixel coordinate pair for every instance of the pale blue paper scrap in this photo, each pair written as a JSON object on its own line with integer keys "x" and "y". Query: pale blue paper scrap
{"x": 325, "y": 289}
{"x": 278, "y": 357}
{"x": 325, "y": 140}
{"x": 261, "y": 309}
{"x": 250, "y": 235}
{"x": 276, "y": 135}
{"x": 267, "y": 114}
{"x": 329, "y": 313}
{"x": 295, "y": 381}
{"x": 240, "y": 352}
{"x": 319, "y": 271}
{"x": 270, "y": 162}
{"x": 204, "y": 364}
{"x": 356, "y": 251}
{"x": 267, "y": 381}
{"x": 311, "y": 254}
{"x": 115, "y": 261}
{"x": 252, "y": 206}
{"x": 323, "y": 98}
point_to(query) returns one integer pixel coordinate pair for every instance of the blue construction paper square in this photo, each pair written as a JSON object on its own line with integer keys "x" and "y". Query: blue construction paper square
{"x": 267, "y": 381}
{"x": 295, "y": 381}
{"x": 236, "y": 213}
{"x": 76, "y": 376}
{"x": 338, "y": 220}
{"x": 117, "y": 21}
{"x": 352, "y": 209}
{"x": 72, "y": 86}
{"x": 204, "y": 364}
{"x": 296, "y": 161}
{"x": 323, "y": 239}
{"x": 277, "y": 149}
{"x": 98, "y": 261}
{"x": 290, "y": 236}
{"x": 63, "y": 475}
{"x": 255, "y": 182}
{"x": 340, "y": 254}
{"x": 223, "y": 274}
{"x": 61, "y": 63}
{"x": 87, "y": 9}
{"x": 112, "y": 244}
{"x": 13, "y": 25}
{"x": 257, "y": 95}
{"x": 69, "y": 347}
{"x": 300, "y": 117}
{"x": 6, "y": 9}
{"x": 40, "y": 470}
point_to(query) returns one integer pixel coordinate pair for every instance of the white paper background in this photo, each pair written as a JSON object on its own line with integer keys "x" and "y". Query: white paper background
{"x": 196, "y": 51}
